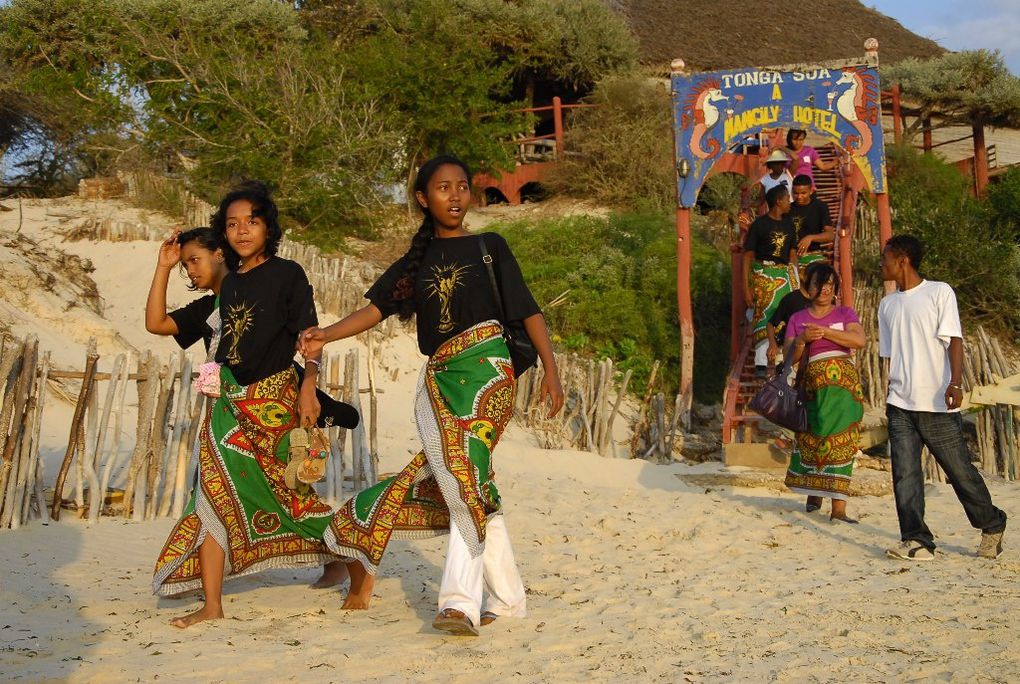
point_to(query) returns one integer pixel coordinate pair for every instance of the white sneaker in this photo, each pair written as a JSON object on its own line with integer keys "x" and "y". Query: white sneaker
{"x": 910, "y": 550}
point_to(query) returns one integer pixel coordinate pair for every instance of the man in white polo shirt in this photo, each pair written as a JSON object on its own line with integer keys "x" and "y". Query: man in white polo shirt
{"x": 919, "y": 332}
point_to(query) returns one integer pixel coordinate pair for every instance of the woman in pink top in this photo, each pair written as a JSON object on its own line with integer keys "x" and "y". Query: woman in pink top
{"x": 823, "y": 457}
{"x": 804, "y": 158}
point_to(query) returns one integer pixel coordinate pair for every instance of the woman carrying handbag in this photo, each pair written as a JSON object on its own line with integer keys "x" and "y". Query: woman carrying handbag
{"x": 823, "y": 457}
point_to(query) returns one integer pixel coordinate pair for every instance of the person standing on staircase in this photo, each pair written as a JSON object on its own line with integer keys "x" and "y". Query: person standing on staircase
{"x": 769, "y": 253}
{"x": 812, "y": 224}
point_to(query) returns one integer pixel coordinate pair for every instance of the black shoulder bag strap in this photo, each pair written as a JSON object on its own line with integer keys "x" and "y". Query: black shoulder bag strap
{"x": 487, "y": 260}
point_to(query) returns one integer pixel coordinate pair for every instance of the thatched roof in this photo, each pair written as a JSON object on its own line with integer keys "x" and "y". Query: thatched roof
{"x": 722, "y": 34}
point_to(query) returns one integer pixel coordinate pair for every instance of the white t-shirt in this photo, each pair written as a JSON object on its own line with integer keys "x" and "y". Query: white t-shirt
{"x": 768, "y": 182}
{"x": 914, "y": 330}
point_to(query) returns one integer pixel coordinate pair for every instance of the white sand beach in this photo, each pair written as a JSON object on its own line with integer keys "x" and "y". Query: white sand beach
{"x": 632, "y": 573}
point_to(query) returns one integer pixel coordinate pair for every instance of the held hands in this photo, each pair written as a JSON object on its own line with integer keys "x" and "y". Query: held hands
{"x": 772, "y": 352}
{"x": 552, "y": 389}
{"x": 311, "y": 341}
{"x": 169, "y": 251}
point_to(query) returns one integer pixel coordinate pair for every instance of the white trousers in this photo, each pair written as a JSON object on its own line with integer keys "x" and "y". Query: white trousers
{"x": 465, "y": 579}
{"x": 761, "y": 353}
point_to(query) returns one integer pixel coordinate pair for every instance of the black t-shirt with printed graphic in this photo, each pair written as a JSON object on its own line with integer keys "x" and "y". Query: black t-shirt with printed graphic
{"x": 769, "y": 239}
{"x": 192, "y": 322}
{"x": 809, "y": 219}
{"x": 453, "y": 292}
{"x": 263, "y": 310}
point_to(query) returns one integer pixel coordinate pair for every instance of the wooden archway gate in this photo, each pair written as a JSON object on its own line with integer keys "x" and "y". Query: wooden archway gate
{"x": 714, "y": 111}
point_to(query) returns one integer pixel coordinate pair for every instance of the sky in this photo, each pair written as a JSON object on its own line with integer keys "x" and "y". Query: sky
{"x": 961, "y": 25}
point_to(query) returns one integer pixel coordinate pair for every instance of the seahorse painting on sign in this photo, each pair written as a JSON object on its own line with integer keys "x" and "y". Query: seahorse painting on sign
{"x": 714, "y": 111}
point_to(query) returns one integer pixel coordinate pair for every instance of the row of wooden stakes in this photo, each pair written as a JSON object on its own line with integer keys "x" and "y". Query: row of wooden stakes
{"x": 152, "y": 478}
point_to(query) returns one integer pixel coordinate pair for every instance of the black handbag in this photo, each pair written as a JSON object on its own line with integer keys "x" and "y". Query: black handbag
{"x": 522, "y": 352}
{"x": 782, "y": 403}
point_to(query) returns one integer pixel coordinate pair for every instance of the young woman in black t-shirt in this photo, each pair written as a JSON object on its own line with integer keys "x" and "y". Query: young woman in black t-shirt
{"x": 242, "y": 517}
{"x": 200, "y": 256}
{"x": 464, "y": 400}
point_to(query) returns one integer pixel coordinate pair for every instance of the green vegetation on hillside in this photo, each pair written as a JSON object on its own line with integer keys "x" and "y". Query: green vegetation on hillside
{"x": 619, "y": 274}
{"x": 331, "y": 103}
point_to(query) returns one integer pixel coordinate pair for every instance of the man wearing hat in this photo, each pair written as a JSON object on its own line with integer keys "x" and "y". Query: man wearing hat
{"x": 777, "y": 174}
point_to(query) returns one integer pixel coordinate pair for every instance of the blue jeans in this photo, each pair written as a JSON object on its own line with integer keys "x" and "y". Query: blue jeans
{"x": 942, "y": 433}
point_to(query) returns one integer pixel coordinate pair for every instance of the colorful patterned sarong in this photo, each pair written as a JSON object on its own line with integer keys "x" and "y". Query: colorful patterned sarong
{"x": 241, "y": 499}
{"x": 464, "y": 400}
{"x": 823, "y": 459}
{"x": 805, "y": 260}
{"x": 769, "y": 284}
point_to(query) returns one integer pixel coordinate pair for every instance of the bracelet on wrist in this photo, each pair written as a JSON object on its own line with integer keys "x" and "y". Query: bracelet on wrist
{"x": 959, "y": 387}
{"x": 314, "y": 362}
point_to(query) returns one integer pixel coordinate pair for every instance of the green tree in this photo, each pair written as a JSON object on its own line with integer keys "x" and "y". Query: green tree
{"x": 964, "y": 245}
{"x": 621, "y": 150}
{"x": 969, "y": 87}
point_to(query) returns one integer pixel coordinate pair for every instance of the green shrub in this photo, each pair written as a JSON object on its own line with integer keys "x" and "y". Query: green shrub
{"x": 965, "y": 245}
{"x": 620, "y": 276}
{"x": 620, "y": 152}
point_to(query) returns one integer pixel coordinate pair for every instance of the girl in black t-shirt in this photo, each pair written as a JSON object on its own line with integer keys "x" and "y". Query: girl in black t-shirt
{"x": 242, "y": 516}
{"x": 200, "y": 256}
{"x": 464, "y": 400}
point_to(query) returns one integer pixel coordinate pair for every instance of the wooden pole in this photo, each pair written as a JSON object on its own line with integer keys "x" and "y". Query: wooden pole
{"x": 10, "y": 417}
{"x": 146, "y": 389}
{"x": 177, "y": 455}
{"x": 21, "y": 438}
{"x": 683, "y": 293}
{"x": 884, "y": 229}
{"x": 897, "y": 117}
{"x": 980, "y": 159}
{"x": 35, "y": 465}
{"x": 558, "y": 125}
{"x": 98, "y": 493}
{"x": 926, "y": 140}
{"x": 79, "y": 410}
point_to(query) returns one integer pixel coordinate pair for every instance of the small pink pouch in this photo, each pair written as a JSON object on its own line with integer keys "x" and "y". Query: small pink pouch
{"x": 208, "y": 382}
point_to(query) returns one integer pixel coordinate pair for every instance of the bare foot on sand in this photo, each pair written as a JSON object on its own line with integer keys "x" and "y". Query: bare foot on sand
{"x": 333, "y": 573}
{"x": 201, "y": 615}
{"x": 360, "y": 593}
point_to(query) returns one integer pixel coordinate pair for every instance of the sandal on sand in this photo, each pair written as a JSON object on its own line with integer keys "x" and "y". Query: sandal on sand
{"x": 488, "y": 617}
{"x": 813, "y": 504}
{"x": 455, "y": 622}
{"x": 844, "y": 518}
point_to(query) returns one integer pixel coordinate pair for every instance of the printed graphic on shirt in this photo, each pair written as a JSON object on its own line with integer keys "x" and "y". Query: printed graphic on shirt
{"x": 798, "y": 223}
{"x": 778, "y": 241}
{"x": 446, "y": 278}
{"x": 238, "y": 321}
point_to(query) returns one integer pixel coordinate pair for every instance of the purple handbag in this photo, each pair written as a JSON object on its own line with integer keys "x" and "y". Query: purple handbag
{"x": 782, "y": 403}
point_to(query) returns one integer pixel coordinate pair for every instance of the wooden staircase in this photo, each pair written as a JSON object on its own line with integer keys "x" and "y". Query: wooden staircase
{"x": 746, "y": 435}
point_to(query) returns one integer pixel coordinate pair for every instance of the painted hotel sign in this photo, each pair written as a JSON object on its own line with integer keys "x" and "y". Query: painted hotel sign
{"x": 716, "y": 111}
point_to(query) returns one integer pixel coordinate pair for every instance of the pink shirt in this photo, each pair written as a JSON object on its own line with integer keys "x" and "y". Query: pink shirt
{"x": 837, "y": 319}
{"x": 804, "y": 163}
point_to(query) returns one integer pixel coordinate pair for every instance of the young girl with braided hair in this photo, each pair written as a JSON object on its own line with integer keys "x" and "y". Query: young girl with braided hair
{"x": 463, "y": 403}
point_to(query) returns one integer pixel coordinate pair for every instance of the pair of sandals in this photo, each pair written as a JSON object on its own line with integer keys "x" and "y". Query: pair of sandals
{"x": 457, "y": 623}
{"x": 308, "y": 457}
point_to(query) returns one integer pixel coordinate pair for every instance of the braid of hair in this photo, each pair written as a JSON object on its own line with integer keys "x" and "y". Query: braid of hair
{"x": 403, "y": 293}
